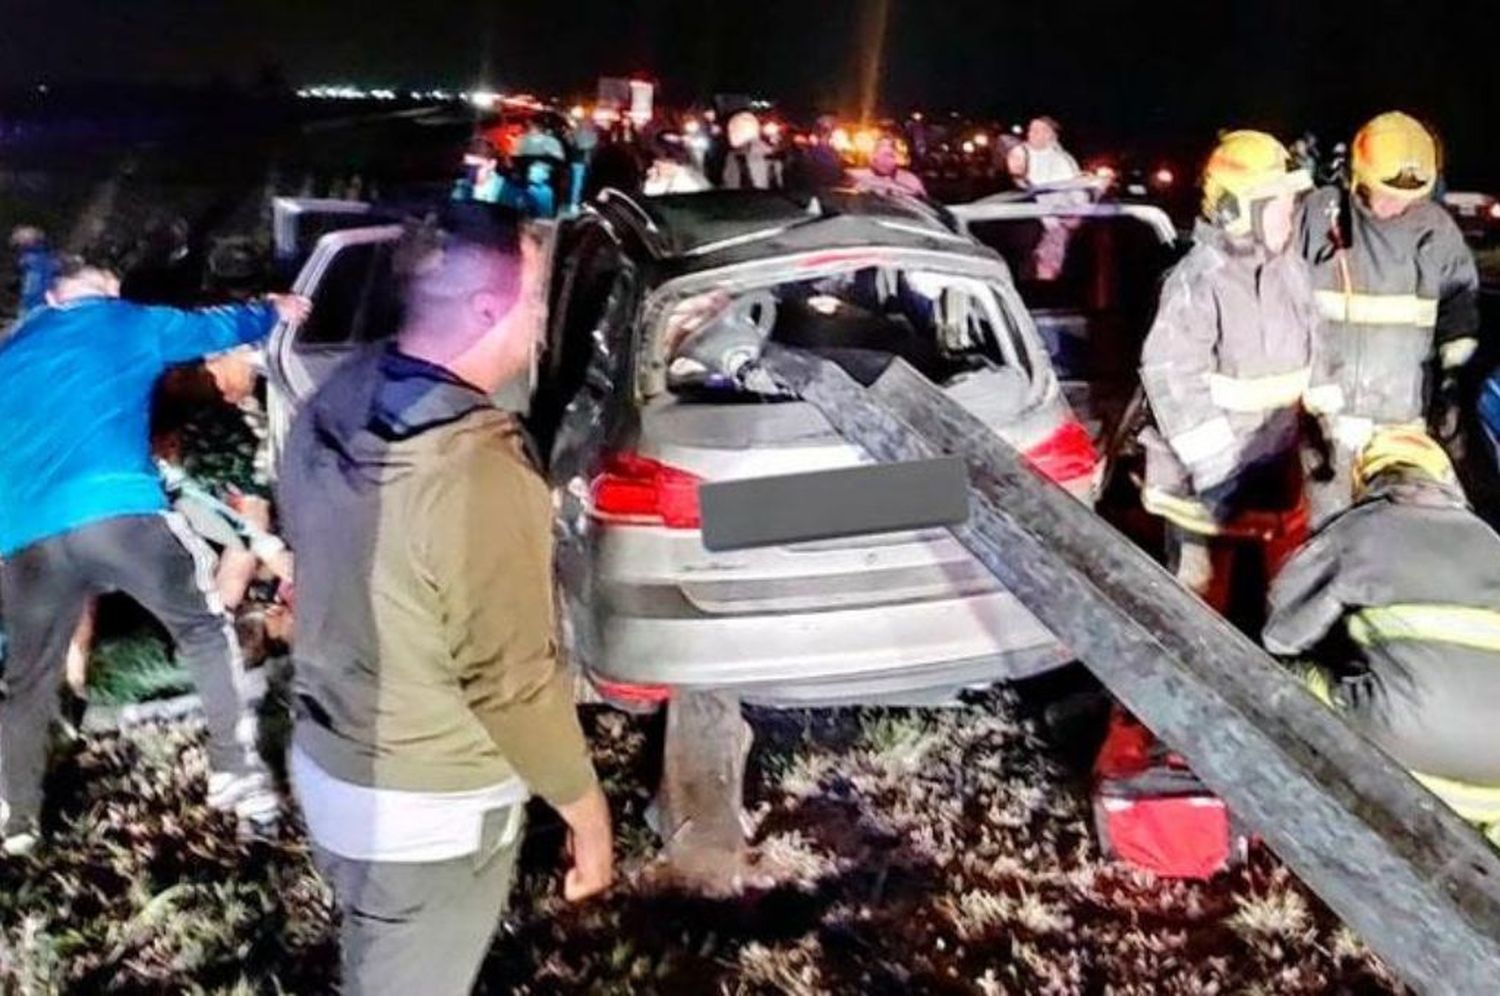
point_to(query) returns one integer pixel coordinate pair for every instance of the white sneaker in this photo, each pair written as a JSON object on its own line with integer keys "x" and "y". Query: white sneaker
{"x": 250, "y": 796}
{"x": 18, "y": 841}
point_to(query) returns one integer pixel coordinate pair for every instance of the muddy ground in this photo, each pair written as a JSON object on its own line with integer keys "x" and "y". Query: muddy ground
{"x": 930, "y": 851}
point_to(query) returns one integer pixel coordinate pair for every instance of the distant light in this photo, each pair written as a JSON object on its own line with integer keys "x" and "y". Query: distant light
{"x": 917, "y": 116}
{"x": 692, "y": 126}
{"x": 982, "y": 140}
{"x": 1016, "y": 129}
{"x": 42, "y": 88}
{"x": 840, "y": 140}
{"x": 968, "y": 148}
{"x": 1494, "y": 211}
{"x": 1105, "y": 173}
{"x": 772, "y": 130}
{"x": 482, "y": 99}
{"x": 579, "y": 112}
{"x": 866, "y": 140}
{"x": 1164, "y": 177}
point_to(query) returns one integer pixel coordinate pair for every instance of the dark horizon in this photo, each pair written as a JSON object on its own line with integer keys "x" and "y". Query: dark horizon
{"x": 1108, "y": 68}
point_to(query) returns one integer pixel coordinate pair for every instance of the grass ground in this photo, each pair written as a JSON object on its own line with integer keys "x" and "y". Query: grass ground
{"x": 901, "y": 852}
{"x": 135, "y": 668}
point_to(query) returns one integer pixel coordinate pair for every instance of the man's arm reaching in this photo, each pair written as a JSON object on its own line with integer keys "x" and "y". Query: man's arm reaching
{"x": 183, "y": 336}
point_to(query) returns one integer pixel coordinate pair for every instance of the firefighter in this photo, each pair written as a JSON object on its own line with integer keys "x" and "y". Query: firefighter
{"x": 1398, "y": 292}
{"x": 1227, "y": 362}
{"x": 1406, "y": 647}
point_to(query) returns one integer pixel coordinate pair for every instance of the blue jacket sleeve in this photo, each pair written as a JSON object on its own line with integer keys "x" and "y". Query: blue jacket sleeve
{"x": 182, "y": 336}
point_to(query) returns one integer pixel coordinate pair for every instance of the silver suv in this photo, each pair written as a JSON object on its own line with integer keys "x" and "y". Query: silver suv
{"x": 658, "y": 307}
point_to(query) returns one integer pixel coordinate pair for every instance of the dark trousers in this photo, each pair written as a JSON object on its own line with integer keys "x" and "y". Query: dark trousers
{"x": 412, "y": 927}
{"x": 156, "y": 560}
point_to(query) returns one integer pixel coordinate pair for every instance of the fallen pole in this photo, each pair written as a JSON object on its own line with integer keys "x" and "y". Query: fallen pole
{"x": 1418, "y": 884}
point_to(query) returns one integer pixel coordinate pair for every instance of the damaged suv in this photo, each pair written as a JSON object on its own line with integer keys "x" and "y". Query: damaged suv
{"x": 648, "y": 388}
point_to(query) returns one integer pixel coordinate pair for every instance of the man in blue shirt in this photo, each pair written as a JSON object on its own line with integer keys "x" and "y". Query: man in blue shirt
{"x": 83, "y": 511}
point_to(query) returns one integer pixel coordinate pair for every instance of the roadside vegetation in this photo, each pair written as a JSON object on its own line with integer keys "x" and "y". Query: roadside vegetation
{"x": 928, "y": 851}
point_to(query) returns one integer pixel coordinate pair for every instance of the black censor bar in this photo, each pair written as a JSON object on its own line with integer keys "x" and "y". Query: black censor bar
{"x": 830, "y": 504}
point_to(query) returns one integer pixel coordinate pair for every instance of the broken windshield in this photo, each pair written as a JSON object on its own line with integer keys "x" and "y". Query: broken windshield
{"x": 862, "y": 320}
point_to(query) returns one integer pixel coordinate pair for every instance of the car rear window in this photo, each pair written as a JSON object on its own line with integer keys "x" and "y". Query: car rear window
{"x": 862, "y": 320}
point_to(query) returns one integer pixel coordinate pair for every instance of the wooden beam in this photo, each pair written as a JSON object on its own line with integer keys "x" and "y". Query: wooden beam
{"x": 1419, "y": 885}
{"x": 702, "y": 791}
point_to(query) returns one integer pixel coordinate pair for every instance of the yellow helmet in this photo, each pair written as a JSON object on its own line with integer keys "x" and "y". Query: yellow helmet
{"x": 1397, "y": 447}
{"x": 1396, "y": 155}
{"x": 1246, "y": 167}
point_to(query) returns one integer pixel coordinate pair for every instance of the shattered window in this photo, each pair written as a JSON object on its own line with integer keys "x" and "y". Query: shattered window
{"x": 862, "y": 320}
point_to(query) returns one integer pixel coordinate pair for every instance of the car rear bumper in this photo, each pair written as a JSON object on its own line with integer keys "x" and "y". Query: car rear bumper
{"x": 862, "y": 654}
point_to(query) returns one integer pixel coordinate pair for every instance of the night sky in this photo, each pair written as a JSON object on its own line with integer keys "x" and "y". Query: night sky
{"x": 1111, "y": 68}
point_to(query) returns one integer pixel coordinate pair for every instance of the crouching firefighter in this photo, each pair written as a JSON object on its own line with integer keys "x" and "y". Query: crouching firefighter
{"x": 1405, "y": 647}
{"x": 1226, "y": 366}
{"x": 1398, "y": 292}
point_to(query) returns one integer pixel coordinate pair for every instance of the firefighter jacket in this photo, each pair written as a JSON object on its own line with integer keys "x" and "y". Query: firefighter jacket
{"x": 1399, "y": 300}
{"x": 1399, "y": 598}
{"x": 1225, "y": 366}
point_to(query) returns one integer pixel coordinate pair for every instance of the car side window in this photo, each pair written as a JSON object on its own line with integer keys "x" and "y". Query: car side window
{"x": 356, "y": 301}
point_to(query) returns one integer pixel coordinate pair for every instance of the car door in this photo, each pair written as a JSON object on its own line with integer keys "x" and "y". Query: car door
{"x": 356, "y": 303}
{"x": 348, "y": 277}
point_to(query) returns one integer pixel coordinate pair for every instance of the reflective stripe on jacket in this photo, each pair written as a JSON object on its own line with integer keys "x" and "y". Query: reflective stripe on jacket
{"x": 1399, "y": 292}
{"x": 1226, "y": 364}
{"x": 1400, "y": 598}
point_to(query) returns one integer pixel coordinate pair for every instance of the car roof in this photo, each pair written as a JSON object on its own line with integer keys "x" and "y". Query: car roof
{"x": 692, "y": 232}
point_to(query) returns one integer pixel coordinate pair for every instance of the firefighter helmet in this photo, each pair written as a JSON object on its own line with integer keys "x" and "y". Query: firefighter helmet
{"x": 1405, "y": 448}
{"x": 1245, "y": 168}
{"x": 1395, "y": 155}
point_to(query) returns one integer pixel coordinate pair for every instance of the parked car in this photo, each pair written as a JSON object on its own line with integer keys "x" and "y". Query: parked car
{"x": 1478, "y": 216}
{"x": 631, "y": 418}
{"x": 1093, "y": 313}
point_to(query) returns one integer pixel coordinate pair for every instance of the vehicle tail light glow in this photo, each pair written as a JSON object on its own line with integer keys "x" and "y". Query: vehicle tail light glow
{"x": 632, "y": 695}
{"x": 1164, "y": 177}
{"x": 1067, "y": 457}
{"x": 640, "y": 491}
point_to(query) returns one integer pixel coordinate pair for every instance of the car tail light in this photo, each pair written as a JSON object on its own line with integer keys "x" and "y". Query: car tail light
{"x": 631, "y": 696}
{"x": 640, "y": 491}
{"x": 1067, "y": 457}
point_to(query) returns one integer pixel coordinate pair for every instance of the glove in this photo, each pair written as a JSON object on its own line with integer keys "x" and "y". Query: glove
{"x": 1447, "y": 413}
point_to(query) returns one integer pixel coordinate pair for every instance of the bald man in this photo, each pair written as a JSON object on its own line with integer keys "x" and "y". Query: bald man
{"x": 430, "y": 700}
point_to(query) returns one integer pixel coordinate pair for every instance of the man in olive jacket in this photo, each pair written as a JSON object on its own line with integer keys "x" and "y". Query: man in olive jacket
{"x": 430, "y": 701}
